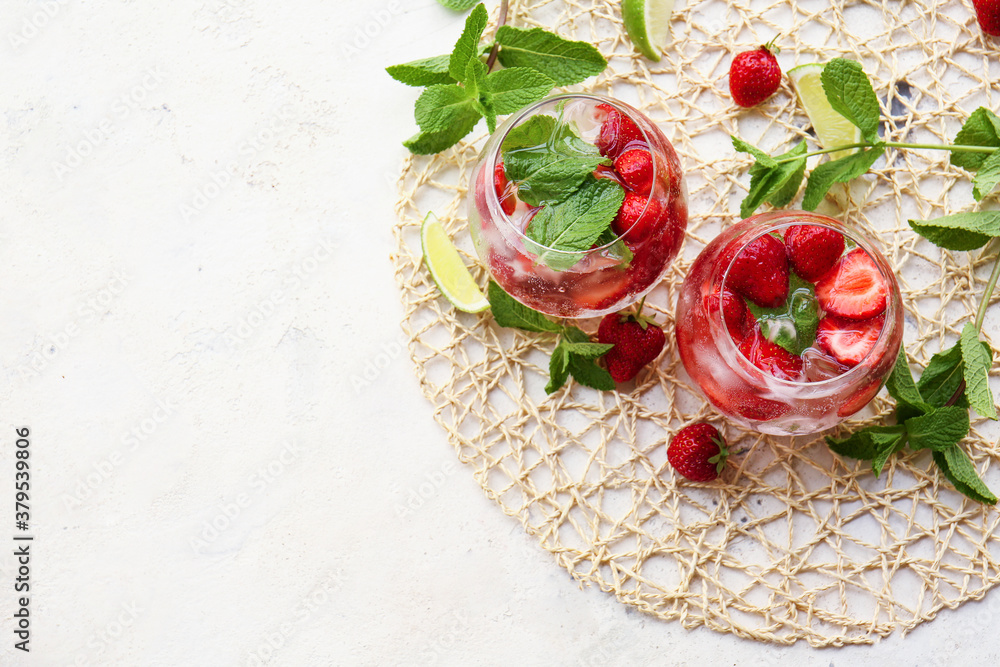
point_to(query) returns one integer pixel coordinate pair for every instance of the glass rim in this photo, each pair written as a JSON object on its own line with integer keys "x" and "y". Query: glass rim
{"x": 493, "y": 152}
{"x": 767, "y": 224}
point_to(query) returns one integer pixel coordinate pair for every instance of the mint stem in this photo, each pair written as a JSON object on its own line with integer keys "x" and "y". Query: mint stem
{"x": 496, "y": 46}
{"x": 957, "y": 148}
{"x": 990, "y": 285}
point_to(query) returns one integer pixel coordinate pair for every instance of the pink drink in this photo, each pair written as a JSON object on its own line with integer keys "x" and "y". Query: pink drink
{"x": 743, "y": 374}
{"x": 629, "y": 260}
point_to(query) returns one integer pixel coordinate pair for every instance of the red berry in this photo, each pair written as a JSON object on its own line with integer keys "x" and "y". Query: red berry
{"x": 754, "y": 76}
{"x": 698, "y": 452}
{"x": 848, "y": 341}
{"x": 771, "y": 357}
{"x": 504, "y": 192}
{"x": 635, "y": 166}
{"x": 860, "y": 399}
{"x": 812, "y": 249}
{"x": 988, "y": 14}
{"x": 617, "y": 132}
{"x": 634, "y": 346}
{"x": 853, "y": 288}
{"x": 735, "y": 312}
{"x": 760, "y": 272}
{"x": 744, "y": 403}
{"x": 635, "y": 219}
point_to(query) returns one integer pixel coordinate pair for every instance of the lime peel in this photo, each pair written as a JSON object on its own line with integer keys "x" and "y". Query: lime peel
{"x": 647, "y": 23}
{"x": 447, "y": 268}
{"x": 832, "y": 129}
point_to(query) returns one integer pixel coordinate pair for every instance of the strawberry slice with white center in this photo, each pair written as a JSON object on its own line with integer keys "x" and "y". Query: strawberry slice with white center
{"x": 853, "y": 288}
{"x": 848, "y": 341}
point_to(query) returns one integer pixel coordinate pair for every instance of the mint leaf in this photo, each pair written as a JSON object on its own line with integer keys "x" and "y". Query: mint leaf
{"x": 957, "y": 467}
{"x": 981, "y": 129}
{"x": 939, "y": 429}
{"x": 618, "y": 250}
{"x": 588, "y": 373}
{"x": 508, "y": 312}
{"x": 575, "y": 335}
{"x": 564, "y": 62}
{"x": 588, "y": 350}
{"x": 441, "y": 106}
{"x": 516, "y": 87}
{"x": 786, "y": 193}
{"x": 977, "y": 362}
{"x": 792, "y": 326}
{"x": 475, "y": 79}
{"x": 838, "y": 171}
{"x": 574, "y": 224}
{"x": 532, "y": 133}
{"x": 961, "y": 231}
{"x": 763, "y": 159}
{"x": 942, "y": 377}
{"x": 457, "y": 5}
{"x": 429, "y": 143}
{"x": 901, "y": 387}
{"x": 558, "y": 368}
{"x": 887, "y": 443}
{"x": 850, "y": 94}
{"x": 773, "y": 182}
{"x": 987, "y": 177}
{"x": 867, "y": 443}
{"x": 424, "y": 72}
{"x": 550, "y": 171}
{"x": 467, "y": 46}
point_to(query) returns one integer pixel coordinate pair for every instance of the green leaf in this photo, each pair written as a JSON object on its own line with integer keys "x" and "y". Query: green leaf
{"x": 851, "y": 95}
{"x": 508, "y": 312}
{"x": 588, "y": 373}
{"x": 558, "y": 368}
{"x": 961, "y": 231}
{"x": 763, "y": 159}
{"x": 792, "y": 326}
{"x": 457, "y": 5}
{"x": 424, "y": 72}
{"x": 786, "y": 193}
{"x": 516, "y": 87}
{"x": 838, "y": 171}
{"x": 429, "y": 143}
{"x": 467, "y": 46}
{"x": 564, "y": 62}
{"x": 987, "y": 177}
{"x": 774, "y": 182}
{"x": 475, "y": 79}
{"x": 588, "y": 350}
{"x": 982, "y": 129}
{"x": 858, "y": 445}
{"x": 942, "y": 377}
{"x": 887, "y": 444}
{"x": 901, "y": 386}
{"x": 440, "y": 106}
{"x": 958, "y": 469}
{"x": 939, "y": 429}
{"x": 618, "y": 250}
{"x": 532, "y": 133}
{"x": 575, "y": 335}
{"x": 977, "y": 362}
{"x": 576, "y": 223}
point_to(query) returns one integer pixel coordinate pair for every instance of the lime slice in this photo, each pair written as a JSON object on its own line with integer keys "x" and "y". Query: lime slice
{"x": 648, "y": 25}
{"x": 447, "y": 268}
{"x": 832, "y": 129}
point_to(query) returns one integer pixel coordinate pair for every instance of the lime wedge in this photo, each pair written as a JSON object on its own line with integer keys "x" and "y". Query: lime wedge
{"x": 832, "y": 129}
{"x": 447, "y": 268}
{"x": 648, "y": 25}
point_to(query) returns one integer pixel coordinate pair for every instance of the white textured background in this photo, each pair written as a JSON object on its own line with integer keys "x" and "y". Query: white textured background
{"x": 232, "y": 461}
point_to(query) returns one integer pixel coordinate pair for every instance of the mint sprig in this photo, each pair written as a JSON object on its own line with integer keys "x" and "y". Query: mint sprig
{"x": 792, "y": 325}
{"x": 574, "y": 355}
{"x": 461, "y": 89}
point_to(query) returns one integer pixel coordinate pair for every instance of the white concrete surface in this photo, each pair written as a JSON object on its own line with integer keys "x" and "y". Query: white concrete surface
{"x": 196, "y": 213}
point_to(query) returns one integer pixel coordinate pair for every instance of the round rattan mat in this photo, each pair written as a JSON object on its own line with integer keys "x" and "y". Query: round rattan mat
{"x": 792, "y": 542}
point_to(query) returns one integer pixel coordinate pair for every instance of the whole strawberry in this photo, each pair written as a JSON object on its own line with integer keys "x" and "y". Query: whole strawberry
{"x": 760, "y": 272}
{"x": 698, "y": 452}
{"x": 988, "y": 14}
{"x": 813, "y": 250}
{"x": 636, "y": 342}
{"x": 754, "y": 76}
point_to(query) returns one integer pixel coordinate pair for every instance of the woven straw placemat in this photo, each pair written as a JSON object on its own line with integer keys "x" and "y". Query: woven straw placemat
{"x": 792, "y": 542}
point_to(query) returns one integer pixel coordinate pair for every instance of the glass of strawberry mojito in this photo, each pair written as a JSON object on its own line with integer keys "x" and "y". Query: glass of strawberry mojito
{"x": 789, "y": 322}
{"x": 578, "y": 205}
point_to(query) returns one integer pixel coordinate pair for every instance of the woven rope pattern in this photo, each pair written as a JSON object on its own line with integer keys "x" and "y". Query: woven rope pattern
{"x": 792, "y": 542}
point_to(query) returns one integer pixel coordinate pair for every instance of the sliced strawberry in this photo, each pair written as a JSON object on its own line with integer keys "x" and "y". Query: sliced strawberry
{"x": 744, "y": 403}
{"x": 617, "y": 132}
{"x": 760, "y": 272}
{"x": 635, "y": 167}
{"x": 635, "y": 219}
{"x": 860, "y": 399}
{"x": 504, "y": 192}
{"x": 812, "y": 249}
{"x": 735, "y": 312}
{"x": 848, "y": 340}
{"x": 771, "y": 357}
{"x": 853, "y": 288}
